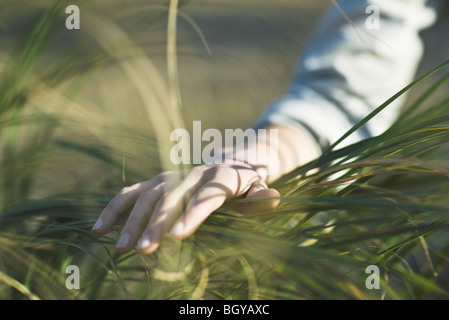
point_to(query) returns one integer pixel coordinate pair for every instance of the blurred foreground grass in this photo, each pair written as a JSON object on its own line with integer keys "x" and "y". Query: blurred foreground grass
{"x": 84, "y": 113}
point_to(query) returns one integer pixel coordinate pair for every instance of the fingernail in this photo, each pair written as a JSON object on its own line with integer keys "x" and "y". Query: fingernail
{"x": 144, "y": 242}
{"x": 178, "y": 228}
{"x": 98, "y": 224}
{"x": 123, "y": 241}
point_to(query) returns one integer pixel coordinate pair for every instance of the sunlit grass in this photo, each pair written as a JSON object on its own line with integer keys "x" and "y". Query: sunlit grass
{"x": 70, "y": 137}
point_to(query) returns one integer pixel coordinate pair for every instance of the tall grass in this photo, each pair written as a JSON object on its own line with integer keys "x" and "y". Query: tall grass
{"x": 381, "y": 201}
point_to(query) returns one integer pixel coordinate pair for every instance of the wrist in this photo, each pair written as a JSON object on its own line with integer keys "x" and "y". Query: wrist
{"x": 261, "y": 153}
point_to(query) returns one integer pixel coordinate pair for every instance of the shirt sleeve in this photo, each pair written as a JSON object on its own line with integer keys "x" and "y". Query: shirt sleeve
{"x": 348, "y": 69}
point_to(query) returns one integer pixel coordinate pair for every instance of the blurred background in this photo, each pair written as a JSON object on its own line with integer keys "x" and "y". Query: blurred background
{"x": 234, "y": 58}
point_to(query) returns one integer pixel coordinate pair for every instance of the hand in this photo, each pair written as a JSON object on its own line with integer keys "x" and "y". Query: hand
{"x": 178, "y": 202}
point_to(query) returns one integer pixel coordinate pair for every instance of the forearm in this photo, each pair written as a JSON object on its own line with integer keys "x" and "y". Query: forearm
{"x": 346, "y": 73}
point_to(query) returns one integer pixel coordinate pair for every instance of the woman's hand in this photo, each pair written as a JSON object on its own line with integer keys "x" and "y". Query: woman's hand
{"x": 178, "y": 202}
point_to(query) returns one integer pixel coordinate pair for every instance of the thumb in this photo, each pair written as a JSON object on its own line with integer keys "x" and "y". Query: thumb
{"x": 259, "y": 189}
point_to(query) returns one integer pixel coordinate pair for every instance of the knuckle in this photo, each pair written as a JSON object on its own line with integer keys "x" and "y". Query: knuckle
{"x": 124, "y": 191}
{"x": 164, "y": 175}
{"x": 166, "y": 201}
{"x": 219, "y": 169}
{"x": 128, "y": 190}
{"x": 146, "y": 196}
{"x": 197, "y": 170}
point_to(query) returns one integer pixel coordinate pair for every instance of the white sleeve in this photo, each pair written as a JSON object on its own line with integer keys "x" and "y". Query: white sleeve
{"x": 346, "y": 71}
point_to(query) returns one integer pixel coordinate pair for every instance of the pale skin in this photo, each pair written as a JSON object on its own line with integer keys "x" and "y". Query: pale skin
{"x": 177, "y": 203}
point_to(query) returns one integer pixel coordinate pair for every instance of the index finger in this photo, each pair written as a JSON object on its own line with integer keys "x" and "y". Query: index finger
{"x": 123, "y": 201}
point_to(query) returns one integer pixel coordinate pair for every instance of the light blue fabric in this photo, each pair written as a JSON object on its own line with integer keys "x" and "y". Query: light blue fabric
{"x": 346, "y": 71}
